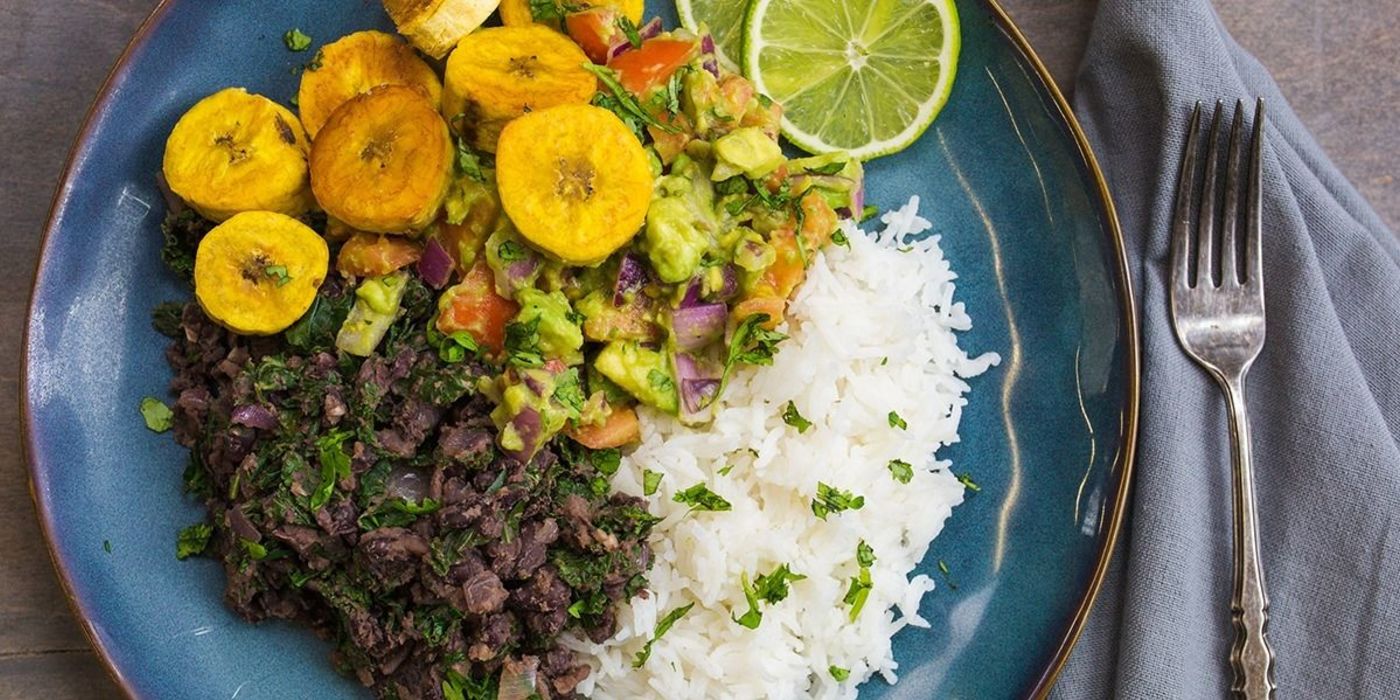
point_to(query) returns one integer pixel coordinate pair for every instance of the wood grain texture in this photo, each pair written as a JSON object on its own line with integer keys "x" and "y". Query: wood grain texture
{"x": 1335, "y": 60}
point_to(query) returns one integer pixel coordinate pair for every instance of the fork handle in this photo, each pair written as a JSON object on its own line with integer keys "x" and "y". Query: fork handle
{"x": 1251, "y": 656}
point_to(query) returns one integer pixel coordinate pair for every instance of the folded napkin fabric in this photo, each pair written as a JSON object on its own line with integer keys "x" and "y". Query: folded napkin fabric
{"x": 1324, "y": 396}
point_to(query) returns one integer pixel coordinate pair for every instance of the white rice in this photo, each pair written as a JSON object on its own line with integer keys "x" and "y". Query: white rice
{"x": 877, "y": 300}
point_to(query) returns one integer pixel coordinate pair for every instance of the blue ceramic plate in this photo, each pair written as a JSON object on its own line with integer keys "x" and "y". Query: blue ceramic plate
{"x": 1004, "y": 173}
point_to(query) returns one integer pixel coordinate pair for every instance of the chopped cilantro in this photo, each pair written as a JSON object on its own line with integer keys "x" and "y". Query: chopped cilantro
{"x": 752, "y": 344}
{"x": 829, "y": 168}
{"x": 193, "y": 540}
{"x": 629, "y": 29}
{"x": 901, "y": 470}
{"x": 569, "y": 393}
{"x": 734, "y": 185}
{"x": 315, "y": 63}
{"x": 700, "y": 497}
{"x": 897, "y": 422}
{"x": 662, "y": 628}
{"x": 859, "y": 591}
{"x": 622, "y": 102}
{"x": 468, "y": 162}
{"x": 795, "y": 419}
{"x": 278, "y": 273}
{"x": 553, "y": 11}
{"x": 769, "y": 588}
{"x": 840, "y": 674}
{"x": 865, "y": 556}
{"x": 296, "y": 40}
{"x": 725, "y": 471}
{"x": 869, "y": 212}
{"x": 107, "y": 546}
{"x": 839, "y": 238}
{"x": 335, "y": 465}
{"x": 166, "y": 319}
{"x": 523, "y": 343}
{"x": 255, "y": 550}
{"x": 650, "y": 481}
{"x": 157, "y": 415}
{"x": 660, "y": 381}
{"x": 510, "y": 251}
{"x": 832, "y": 500}
{"x": 965, "y": 479}
{"x": 606, "y": 461}
{"x": 454, "y": 347}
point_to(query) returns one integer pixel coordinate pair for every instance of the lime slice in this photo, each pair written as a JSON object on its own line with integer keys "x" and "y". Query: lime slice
{"x": 862, "y": 77}
{"x": 725, "y": 21}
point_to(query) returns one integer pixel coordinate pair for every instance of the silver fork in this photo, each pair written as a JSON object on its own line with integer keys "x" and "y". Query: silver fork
{"x": 1218, "y": 313}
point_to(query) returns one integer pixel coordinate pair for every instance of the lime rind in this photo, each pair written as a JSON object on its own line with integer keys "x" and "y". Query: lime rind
{"x": 923, "y": 118}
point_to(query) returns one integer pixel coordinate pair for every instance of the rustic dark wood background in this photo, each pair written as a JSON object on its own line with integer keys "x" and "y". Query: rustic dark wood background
{"x": 1337, "y": 61}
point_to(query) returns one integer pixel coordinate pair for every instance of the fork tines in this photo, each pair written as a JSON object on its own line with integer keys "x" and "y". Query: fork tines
{"x": 1227, "y": 260}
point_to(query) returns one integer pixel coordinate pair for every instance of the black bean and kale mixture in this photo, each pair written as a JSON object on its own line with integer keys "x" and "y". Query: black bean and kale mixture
{"x": 366, "y": 498}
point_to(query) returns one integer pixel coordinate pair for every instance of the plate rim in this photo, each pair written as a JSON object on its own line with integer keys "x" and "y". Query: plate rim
{"x": 1123, "y": 464}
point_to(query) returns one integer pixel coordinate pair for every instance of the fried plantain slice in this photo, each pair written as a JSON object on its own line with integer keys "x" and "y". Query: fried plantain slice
{"x": 234, "y": 151}
{"x": 258, "y": 272}
{"x": 575, "y": 181}
{"x": 498, "y": 74}
{"x": 355, "y": 64}
{"x": 435, "y": 26}
{"x": 517, "y": 12}
{"x": 383, "y": 161}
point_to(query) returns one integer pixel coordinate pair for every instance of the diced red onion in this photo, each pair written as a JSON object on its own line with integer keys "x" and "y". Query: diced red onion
{"x": 699, "y": 325}
{"x": 631, "y": 276}
{"x": 518, "y": 679}
{"x": 858, "y": 199}
{"x": 618, "y": 47}
{"x": 407, "y": 483}
{"x": 255, "y": 416}
{"x": 518, "y": 274}
{"x": 527, "y": 425}
{"x": 651, "y": 29}
{"x": 729, "y": 288}
{"x": 712, "y": 66}
{"x": 707, "y": 43}
{"x": 435, "y": 267}
{"x": 699, "y": 388}
{"x": 692, "y": 293}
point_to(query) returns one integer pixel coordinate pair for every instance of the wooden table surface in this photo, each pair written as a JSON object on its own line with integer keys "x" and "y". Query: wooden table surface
{"x": 1336, "y": 61}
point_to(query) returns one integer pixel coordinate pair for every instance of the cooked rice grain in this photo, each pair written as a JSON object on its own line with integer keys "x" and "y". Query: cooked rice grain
{"x": 858, "y": 307}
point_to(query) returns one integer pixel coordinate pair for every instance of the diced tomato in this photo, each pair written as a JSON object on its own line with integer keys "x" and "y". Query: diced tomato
{"x": 596, "y": 31}
{"x": 770, "y": 292}
{"x": 653, "y": 64}
{"x": 670, "y": 144}
{"x": 372, "y": 255}
{"x": 818, "y": 219}
{"x": 775, "y": 307}
{"x": 475, "y": 307}
{"x": 620, "y": 429}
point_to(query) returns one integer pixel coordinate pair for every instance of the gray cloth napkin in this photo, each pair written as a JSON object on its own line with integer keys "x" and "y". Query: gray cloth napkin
{"x": 1324, "y": 396}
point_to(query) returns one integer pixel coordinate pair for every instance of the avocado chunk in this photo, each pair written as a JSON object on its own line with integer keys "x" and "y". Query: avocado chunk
{"x": 674, "y": 245}
{"x": 643, "y": 373}
{"x": 746, "y": 151}
{"x": 553, "y": 319}
{"x": 376, "y": 307}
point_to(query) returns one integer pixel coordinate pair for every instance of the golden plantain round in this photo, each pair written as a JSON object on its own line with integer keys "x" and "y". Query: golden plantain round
{"x": 435, "y": 26}
{"x": 517, "y": 12}
{"x": 234, "y": 151}
{"x": 575, "y": 181}
{"x": 258, "y": 272}
{"x": 383, "y": 161}
{"x": 498, "y": 74}
{"x": 355, "y": 64}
